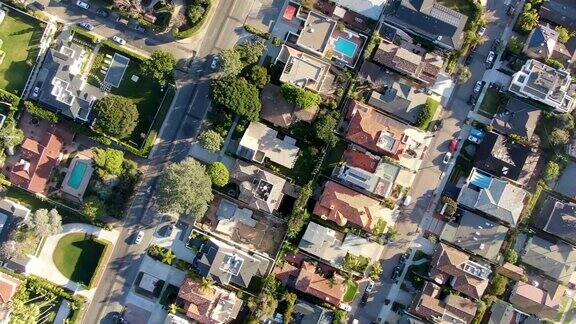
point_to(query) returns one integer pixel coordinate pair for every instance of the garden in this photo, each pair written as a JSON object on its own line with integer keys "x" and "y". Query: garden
{"x": 492, "y": 102}
{"x": 19, "y": 45}
{"x": 197, "y": 12}
{"x": 78, "y": 256}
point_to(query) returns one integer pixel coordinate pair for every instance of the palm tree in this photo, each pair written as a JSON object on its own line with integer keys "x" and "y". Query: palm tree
{"x": 376, "y": 271}
{"x": 168, "y": 257}
{"x": 205, "y": 285}
{"x": 173, "y": 308}
{"x": 528, "y": 20}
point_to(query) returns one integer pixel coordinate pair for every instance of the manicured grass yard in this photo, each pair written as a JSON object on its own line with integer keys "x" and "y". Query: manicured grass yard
{"x": 351, "y": 290}
{"x": 462, "y": 6}
{"x": 21, "y": 38}
{"x": 77, "y": 257}
{"x": 145, "y": 93}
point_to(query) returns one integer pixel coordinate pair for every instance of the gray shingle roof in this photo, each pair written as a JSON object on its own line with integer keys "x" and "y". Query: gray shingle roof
{"x": 502, "y": 200}
{"x": 557, "y": 261}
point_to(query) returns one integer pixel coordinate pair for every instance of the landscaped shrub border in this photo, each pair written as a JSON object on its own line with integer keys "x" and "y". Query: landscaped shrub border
{"x": 37, "y": 110}
{"x": 194, "y": 29}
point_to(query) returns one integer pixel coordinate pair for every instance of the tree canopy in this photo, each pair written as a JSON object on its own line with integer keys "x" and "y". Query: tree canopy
{"x": 109, "y": 161}
{"x": 551, "y": 171}
{"x": 46, "y": 223}
{"x": 159, "y": 66}
{"x": 219, "y": 174}
{"x": 301, "y": 98}
{"x": 563, "y": 34}
{"x": 184, "y": 188}
{"x": 237, "y": 95}
{"x": 325, "y": 126}
{"x": 258, "y": 76}
{"x": 117, "y": 116}
{"x": 93, "y": 207}
{"x": 230, "y": 62}
{"x": 11, "y": 135}
{"x": 210, "y": 140}
{"x": 250, "y": 52}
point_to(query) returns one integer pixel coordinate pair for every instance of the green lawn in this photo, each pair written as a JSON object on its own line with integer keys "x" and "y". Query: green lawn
{"x": 21, "y": 38}
{"x": 351, "y": 290}
{"x": 77, "y": 257}
{"x": 145, "y": 93}
{"x": 492, "y": 102}
{"x": 462, "y": 6}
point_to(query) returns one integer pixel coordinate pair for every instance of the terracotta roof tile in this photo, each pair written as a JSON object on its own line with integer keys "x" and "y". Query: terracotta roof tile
{"x": 360, "y": 160}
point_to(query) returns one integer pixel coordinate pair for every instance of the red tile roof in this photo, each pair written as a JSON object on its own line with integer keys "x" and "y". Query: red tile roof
{"x": 360, "y": 160}
{"x": 8, "y": 287}
{"x": 343, "y": 205}
{"x": 200, "y": 305}
{"x": 429, "y": 307}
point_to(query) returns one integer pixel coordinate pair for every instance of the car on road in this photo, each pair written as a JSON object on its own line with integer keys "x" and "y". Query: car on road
{"x": 447, "y": 157}
{"x": 86, "y": 26}
{"x": 102, "y": 12}
{"x": 82, "y": 4}
{"x": 481, "y": 30}
{"x": 35, "y": 91}
{"x": 490, "y": 58}
{"x": 139, "y": 237}
{"x": 453, "y": 145}
{"x": 511, "y": 10}
{"x": 407, "y": 201}
{"x": 395, "y": 273}
{"x": 119, "y": 40}
{"x": 345, "y": 307}
{"x": 215, "y": 61}
{"x": 140, "y": 28}
{"x": 364, "y": 299}
{"x": 402, "y": 258}
{"x": 370, "y": 286}
{"x": 478, "y": 86}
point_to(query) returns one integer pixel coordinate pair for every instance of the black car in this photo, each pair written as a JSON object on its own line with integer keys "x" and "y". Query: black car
{"x": 103, "y": 13}
{"x": 396, "y": 272}
{"x": 364, "y": 299}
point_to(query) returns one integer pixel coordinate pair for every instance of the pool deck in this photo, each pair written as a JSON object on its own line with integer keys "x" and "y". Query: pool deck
{"x": 78, "y": 192}
{"x": 352, "y": 37}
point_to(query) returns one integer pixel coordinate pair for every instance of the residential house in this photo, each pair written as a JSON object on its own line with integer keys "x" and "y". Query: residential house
{"x": 367, "y": 127}
{"x": 565, "y": 184}
{"x": 208, "y": 305}
{"x": 494, "y": 197}
{"x": 301, "y": 69}
{"x": 517, "y": 117}
{"x": 434, "y": 306}
{"x": 367, "y": 8}
{"x": 176, "y": 319}
{"x": 400, "y": 99}
{"x": 8, "y": 288}
{"x": 261, "y": 142}
{"x": 558, "y": 218}
{"x": 226, "y": 264}
{"x": 502, "y": 312}
{"x": 565, "y": 53}
{"x": 63, "y": 86}
{"x": 454, "y": 267}
{"x": 315, "y": 36}
{"x": 279, "y": 112}
{"x": 534, "y": 300}
{"x": 476, "y": 234}
{"x": 501, "y": 156}
{"x": 545, "y": 84}
{"x": 422, "y": 67}
{"x": 555, "y": 260}
{"x": 541, "y": 42}
{"x": 332, "y": 246}
{"x": 307, "y": 313}
{"x": 429, "y": 19}
{"x": 37, "y": 158}
{"x": 345, "y": 206}
{"x": 11, "y": 212}
{"x": 375, "y": 74}
{"x": 258, "y": 188}
{"x": 512, "y": 271}
{"x": 559, "y": 12}
{"x": 305, "y": 278}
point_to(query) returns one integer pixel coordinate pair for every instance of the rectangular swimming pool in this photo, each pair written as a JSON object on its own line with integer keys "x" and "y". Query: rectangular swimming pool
{"x": 77, "y": 175}
{"x": 345, "y": 47}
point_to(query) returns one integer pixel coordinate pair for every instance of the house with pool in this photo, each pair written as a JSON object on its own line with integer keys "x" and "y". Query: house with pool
{"x": 77, "y": 177}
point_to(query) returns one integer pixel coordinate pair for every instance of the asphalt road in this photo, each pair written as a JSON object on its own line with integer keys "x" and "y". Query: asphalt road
{"x": 181, "y": 125}
{"x": 432, "y": 169}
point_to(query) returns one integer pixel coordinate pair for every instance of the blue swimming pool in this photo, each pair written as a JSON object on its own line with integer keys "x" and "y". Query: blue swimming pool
{"x": 345, "y": 47}
{"x": 77, "y": 174}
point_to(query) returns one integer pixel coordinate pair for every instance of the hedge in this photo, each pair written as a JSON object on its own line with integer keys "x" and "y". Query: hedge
{"x": 8, "y": 97}
{"x": 40, "y": 112}
{"x": 425, "y": 116}
{"x": 98, "y": 272}
{"x": 124, "y": 50}
{"x": 253, "y": 30}
{"x": 94, "y": 38}
{"x": 194, "y": 29}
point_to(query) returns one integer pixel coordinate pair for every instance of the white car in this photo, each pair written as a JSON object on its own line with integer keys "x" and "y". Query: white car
{"x": 490, "y": 57}
{"x": 345, "y": 307}
{"x": 481, "y": 30}
{"x": 407, "y": 201}
{"x": 139, "y": 237}
{"x": 82, "y": 4}
{"x": 35, "y": 92}
{"x": 478, "y": 86}
{"x": 119, "y": 40}
{"x": 86, "y": 26}
{"x": 214, "y": 63}
{"x": 370, "y": 286}
{"x": 447, "y": 158}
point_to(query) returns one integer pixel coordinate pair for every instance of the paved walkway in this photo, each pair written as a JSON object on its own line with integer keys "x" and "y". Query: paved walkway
{"x": 44, "y": 267}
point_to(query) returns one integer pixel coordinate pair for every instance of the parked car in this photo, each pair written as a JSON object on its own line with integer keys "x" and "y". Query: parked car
{"x": 103, "y": 13}
{"x": 345, "y": 307}
{"x": 36, "y": 6}
{"x": 453, "y": 145}
{"x": 490, "y": 58}
{"x": 86, "y": 25}
{"x": 478, "y": 86}
{"x": 395, "y": 273}
{"x": 407, "y": 201}
{"x": 370, "y": 286}
{"x": 481, "y": 30}
{"x": 119, "y": 40}
{"x": 474, "y": 139}
{"x": 447, "y": 157}
{"x": 495, "y": 45}
{"x": 82, "y": 4}
{"x": 469, "y": 58}
{"x": 215, "y": 61}
{"x": 471, "y": 100}
{"x": 35, "y": 92}
{"x": 402, "y": 258}
{"x": 364, "y": 299}
{"x": 511, "y": 10}
{"x": 139, "y": 237}
{"x": 140, "y": 28}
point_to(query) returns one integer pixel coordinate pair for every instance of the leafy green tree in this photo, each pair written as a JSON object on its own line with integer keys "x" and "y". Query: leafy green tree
{"x": 551, "y": 171}
{"x": 195, "y": 12}
{"x": 499, "y": 284}
{"x": 340, "y": 317}
{"x": 168, "y": 257}
{"x": 93, "y": 207}
{"x": 515, "y": 45}
{"x": 376, "y": 271}
{"x": 325, "y": 126}
{"x": 230, "y": 62}
{"x": 117, "y": 116}
{"x": 392, "y": 233}
{"x": 250, "y": 52}
{"x": 159, "y": 66}
{"x": 511, "y": 256}
{"x": 529, "y": 20}
{"x": 24, "y": 313}
{"x": 290, "y": 299}
{"x": 238, "y": 96}
{"x": 301, "y": 98}
{"x": 11, "y": 135}
{"x": 219, "y": 174}
{"x": 559, "y": 137}
{"x": 296, "y": 222}
{"x": 184, "y": 188}
{"x": 464, "y": 74}
{"x": 564, "y": 34}
{"x": 554, "y": 63}
{"x": 109, "y": 161}
{"x": 46, "y": 223}
{"x": 262, "y": 306}
{"x": 210, "y": 140}
{"x": 427, "y": 113}
{"x": 258, "y": 76}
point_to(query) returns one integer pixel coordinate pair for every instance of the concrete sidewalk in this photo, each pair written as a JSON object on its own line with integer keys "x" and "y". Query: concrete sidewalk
{"x": 44, "y": 267}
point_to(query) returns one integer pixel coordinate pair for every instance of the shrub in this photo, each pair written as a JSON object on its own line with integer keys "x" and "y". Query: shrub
{"x": 551, "y": 171}
{"x": 559, "y": 137}
{"x": 194, "y": 13}
{"x": 511, "y": 256}
{"x": 219, "y": 174}
{"x": 499, "y": 284}
{"x": 425, "y": 116}
{"x": 258, "y": 76}
{"x": 301, "y": 98}
{"x": 194, "y": 27}
{"x": 210, "y": 140}
{"x": 389, "y": 203}
{"x": 40, "y": 112}
{"x": 109, "y": 161}
{"x": 253, "y": 30}
{"x": 555, "y": 64}
{"x": 325, "y": 126}
{"x": 276, "y": 41}
{"x": 9, "y": 98}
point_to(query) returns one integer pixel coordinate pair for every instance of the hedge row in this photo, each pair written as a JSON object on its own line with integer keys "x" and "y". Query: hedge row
{"x": 425, "y": 116}
{"x": 253, "y": 30}
{"x": 194, "y": 29}
{"x": 9, "y": 98}
{"x": 40, "y": 112}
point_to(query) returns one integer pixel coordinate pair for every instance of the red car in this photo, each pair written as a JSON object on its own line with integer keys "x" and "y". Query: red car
{"x": 453, "y": 145}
